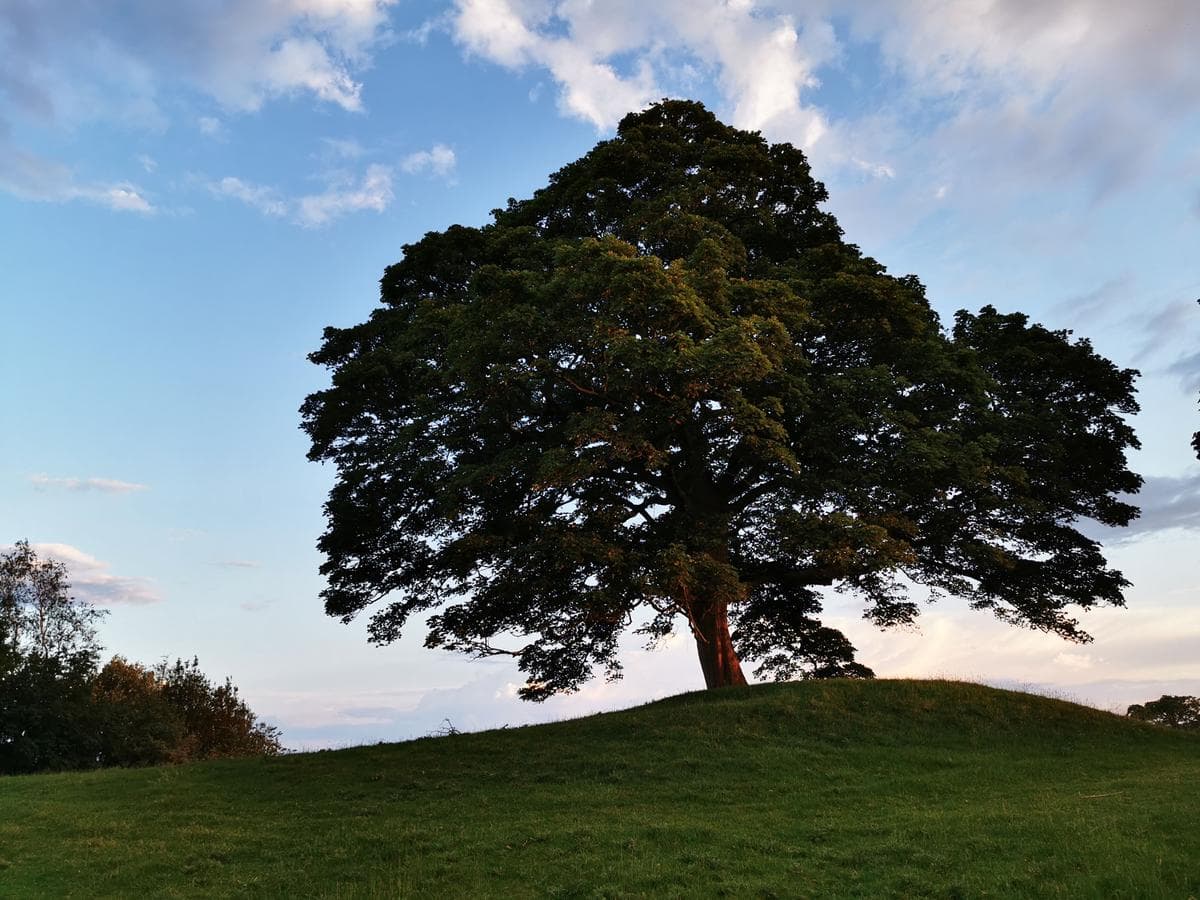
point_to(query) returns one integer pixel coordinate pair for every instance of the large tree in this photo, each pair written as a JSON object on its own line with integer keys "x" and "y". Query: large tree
{"x": 665, "y": 392}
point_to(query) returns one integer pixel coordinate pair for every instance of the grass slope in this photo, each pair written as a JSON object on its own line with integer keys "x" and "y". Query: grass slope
{"x": 820, "y": 789}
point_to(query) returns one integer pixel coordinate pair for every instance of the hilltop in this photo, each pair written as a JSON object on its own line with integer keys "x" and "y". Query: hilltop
{"x": 827, "y": 788}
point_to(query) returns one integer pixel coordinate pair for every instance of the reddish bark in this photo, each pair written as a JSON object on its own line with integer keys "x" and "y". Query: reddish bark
{"x": 715, "y": 648}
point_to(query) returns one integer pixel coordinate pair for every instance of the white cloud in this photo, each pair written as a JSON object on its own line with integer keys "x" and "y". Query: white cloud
{"x": 66, "y": 64}
{"x": 104, "y": 485}
{"x": 1050, "y": 91}
{"x": 120, "y": 197}
{"x": 240, "y": 563}
{"x": 609, "y": 59}
{"x": 32, "y": 177}
{"x": 92, "y": 581}
{"x": 65, "y": 56}
{"x": 300, "y": 64}
{"x": 1138, "y": 643}
{"x": 266, "y": 200}
{"x": 343, "y": 148}
{"x": 373, "y": 191}
{"x": 210, "y": 126}
{"x": 879, "y": 170}
{"x": 1075, "y": 660}
{"x": 437, "y": 160}
{"x": 345, "y": 193}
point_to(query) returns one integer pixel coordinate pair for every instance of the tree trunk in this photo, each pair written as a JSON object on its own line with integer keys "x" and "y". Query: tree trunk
{"x": 717, "y": 657}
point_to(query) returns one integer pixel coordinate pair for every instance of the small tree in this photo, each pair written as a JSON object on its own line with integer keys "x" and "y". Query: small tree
{"x": 664, "y": 390}
{"x": 1171, "y": 711}
{"x": 39, "y": 614}
{"x": 48, "y": 651}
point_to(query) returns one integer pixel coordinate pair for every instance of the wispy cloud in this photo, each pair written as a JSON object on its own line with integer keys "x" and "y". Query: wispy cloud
{"x": 372, "y": 192}
{"x": 437, "y": 160}
{"x": 265, "y": 199}
{"x": 342, "y": 148}
{"x": 1166, "y": 502}
{"x": 239, "y": 563}
{"x": 345, "y": 193}
{"x": 1187, "y": 369}
{"x": 210, "y": 126}
{"x": 1111, "y": 296}
{"x": 92, "y": 581}
{"x": 43, "y": 482}
{"x": 32, "y": 177}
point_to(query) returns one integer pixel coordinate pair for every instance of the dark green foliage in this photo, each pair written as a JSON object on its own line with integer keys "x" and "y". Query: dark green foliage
{"x": 825, "y": 789}
{"x": 665, "y": 390}
{"x": 1171, "y": 711}
{"x": 47, "y": 719}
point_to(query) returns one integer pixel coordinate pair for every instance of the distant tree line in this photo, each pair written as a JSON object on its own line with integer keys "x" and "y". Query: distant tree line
{"x": 60, "y": 710}
{"x": 1170, "y": 711}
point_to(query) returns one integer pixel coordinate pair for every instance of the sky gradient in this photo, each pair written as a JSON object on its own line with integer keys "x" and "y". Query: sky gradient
{"x": 190, "y": 192}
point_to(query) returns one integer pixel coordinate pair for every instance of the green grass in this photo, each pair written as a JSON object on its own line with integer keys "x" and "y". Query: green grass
{"x": 822, "y": 789}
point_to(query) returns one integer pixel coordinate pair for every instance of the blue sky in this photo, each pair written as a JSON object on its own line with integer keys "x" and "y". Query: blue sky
{"x": 190, "y": 192}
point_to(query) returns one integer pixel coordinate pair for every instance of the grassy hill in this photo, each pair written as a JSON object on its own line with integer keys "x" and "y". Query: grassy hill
{"x": 821, "y": 789}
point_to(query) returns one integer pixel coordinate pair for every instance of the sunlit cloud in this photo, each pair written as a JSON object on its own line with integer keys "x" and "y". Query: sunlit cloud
{"x": 344, "y": 194}
{"x": 92, "y": 582}
{"x": 371, "y": 192}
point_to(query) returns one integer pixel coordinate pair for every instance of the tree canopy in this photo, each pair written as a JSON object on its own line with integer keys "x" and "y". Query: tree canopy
{"x": 664, "y": 392}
